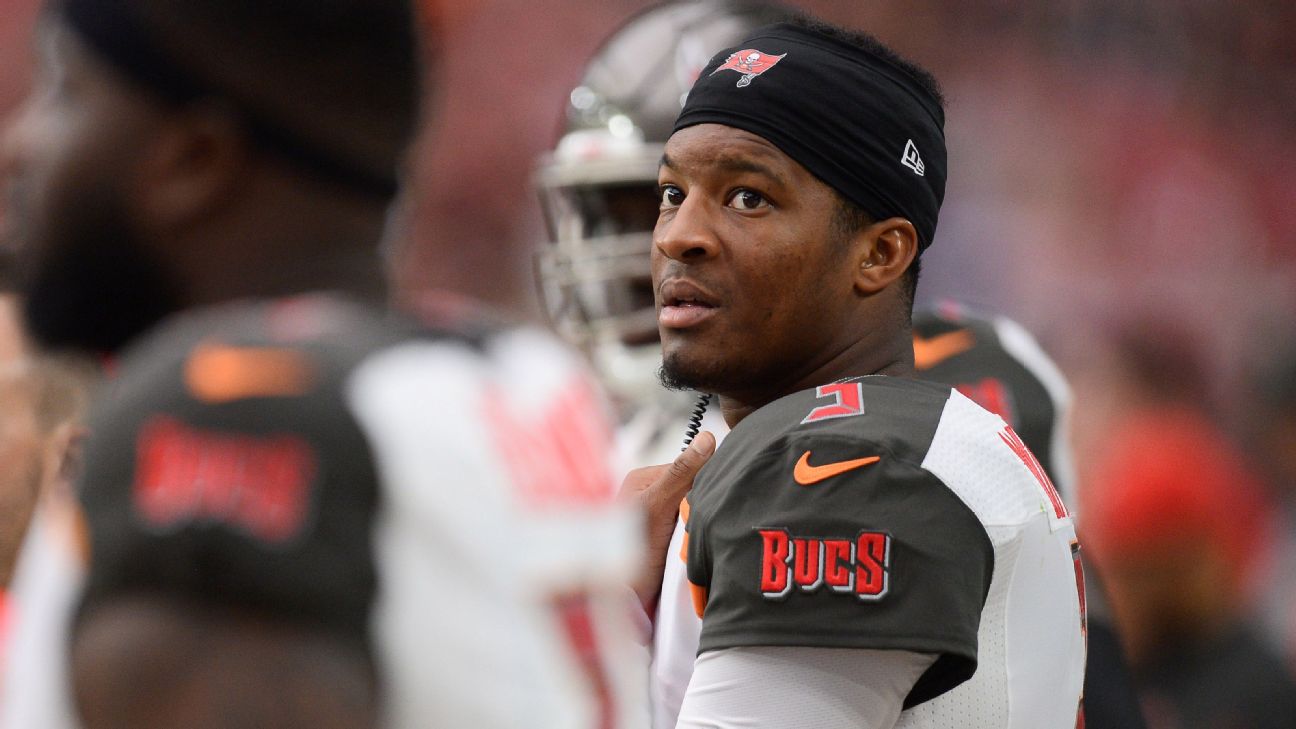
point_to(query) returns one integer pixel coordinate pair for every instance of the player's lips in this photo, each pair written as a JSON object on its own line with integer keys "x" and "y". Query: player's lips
{"x": 684, "y": 304}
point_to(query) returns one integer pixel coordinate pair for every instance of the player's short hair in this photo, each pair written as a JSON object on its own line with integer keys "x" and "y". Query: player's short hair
{"x": 341, "y": 79}
{"x": 845, "y": 107}
{"x": 850, "y": 218}
{"x": 874, "y": 47}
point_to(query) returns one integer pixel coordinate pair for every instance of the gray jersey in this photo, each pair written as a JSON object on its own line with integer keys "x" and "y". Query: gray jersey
{"x": 891, "y": 514}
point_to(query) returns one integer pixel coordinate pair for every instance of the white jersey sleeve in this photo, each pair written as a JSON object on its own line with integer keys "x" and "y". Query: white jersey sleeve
{"x": 789, "y": 687}
{"x": 1031, "y": 641}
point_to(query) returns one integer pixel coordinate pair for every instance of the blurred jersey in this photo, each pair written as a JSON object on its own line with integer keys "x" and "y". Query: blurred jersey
{"x": 999, "y": 366}
{"x": 442, "y": 497}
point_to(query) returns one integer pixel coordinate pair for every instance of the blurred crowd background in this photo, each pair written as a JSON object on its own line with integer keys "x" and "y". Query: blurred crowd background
{"x": 1121, "y": 182}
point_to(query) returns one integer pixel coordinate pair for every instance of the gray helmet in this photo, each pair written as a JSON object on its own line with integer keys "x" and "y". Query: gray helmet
{"x": 598, "y": 185}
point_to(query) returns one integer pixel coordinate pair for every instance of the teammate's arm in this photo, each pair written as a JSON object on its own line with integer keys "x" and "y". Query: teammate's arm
{"x": 782, "y": 687}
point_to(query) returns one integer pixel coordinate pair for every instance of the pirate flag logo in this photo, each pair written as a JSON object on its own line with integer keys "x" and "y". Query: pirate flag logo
{"x": 750, "y": 63}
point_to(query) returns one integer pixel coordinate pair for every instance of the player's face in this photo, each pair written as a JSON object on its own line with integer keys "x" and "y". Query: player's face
{"x": 67, "y": 163}
{"x": 753, "y": 280}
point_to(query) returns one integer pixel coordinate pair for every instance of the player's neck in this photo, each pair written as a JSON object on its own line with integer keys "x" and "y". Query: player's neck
{"x": 892, "y": 358}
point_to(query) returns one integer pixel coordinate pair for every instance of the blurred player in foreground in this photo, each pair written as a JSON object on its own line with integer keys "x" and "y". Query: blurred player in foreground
{"x": 297, "y": 510}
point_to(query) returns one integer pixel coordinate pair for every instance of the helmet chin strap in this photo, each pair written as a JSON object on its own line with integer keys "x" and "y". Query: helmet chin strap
{"x": 695, "y": 419}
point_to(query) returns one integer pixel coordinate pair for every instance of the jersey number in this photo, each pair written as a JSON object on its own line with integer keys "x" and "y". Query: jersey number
{"x": 848, "y": 400}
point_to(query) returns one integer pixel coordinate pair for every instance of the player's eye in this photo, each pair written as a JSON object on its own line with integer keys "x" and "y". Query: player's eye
{"x": 747, "y": 200}
{"x": 671, "y": 196}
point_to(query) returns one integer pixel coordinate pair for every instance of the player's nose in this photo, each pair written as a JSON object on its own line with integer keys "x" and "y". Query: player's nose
{"x": 687, "y": 235}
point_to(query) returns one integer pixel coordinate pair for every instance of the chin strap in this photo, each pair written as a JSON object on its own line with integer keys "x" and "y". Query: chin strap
{"x": 695, "y": 420}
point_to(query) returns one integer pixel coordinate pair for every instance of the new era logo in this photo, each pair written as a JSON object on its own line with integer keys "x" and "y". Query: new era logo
{"x": 911, "y": 159}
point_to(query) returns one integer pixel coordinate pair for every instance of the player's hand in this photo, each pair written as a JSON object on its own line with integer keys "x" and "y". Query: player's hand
{"x": 658, "y": 490}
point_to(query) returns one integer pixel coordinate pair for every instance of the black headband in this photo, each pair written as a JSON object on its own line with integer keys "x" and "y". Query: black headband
{"x": 854, "y": 119}
{"x": 113, "y": 31}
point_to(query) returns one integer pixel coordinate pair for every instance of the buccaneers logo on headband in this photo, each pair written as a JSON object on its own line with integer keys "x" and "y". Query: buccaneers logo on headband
{"x": 750, "y": 63}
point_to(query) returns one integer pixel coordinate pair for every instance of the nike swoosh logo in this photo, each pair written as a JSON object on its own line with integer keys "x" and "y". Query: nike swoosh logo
{"x": 930, "y": 352}
{"x": 806, "y": 474}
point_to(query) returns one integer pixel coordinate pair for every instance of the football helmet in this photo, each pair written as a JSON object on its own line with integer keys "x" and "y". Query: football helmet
{"x": 598, "y": 186}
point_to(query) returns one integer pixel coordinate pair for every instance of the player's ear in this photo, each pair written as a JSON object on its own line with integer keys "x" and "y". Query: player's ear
{"x": 192, "y": 164}
{"x": 885, "y": 250}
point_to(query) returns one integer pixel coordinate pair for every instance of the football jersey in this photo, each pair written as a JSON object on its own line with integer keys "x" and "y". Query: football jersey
{"x": 443, "y": 497}
{"x": 888, "y": 513}
{"x": 1000, "y": 366}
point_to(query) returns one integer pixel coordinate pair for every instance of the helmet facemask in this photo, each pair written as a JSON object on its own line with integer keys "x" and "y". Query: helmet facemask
{"x": 598, "y": 194}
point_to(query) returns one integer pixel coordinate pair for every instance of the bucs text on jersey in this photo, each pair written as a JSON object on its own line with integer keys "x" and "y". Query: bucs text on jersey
{"x": 887, "y": 513}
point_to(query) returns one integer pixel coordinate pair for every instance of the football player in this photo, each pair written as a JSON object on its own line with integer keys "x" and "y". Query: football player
{"x": 751, "y": 68}
{"x": 593, "y": 277}
{"x": 866, "y": 549}
{"x": 297, "y": 509}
